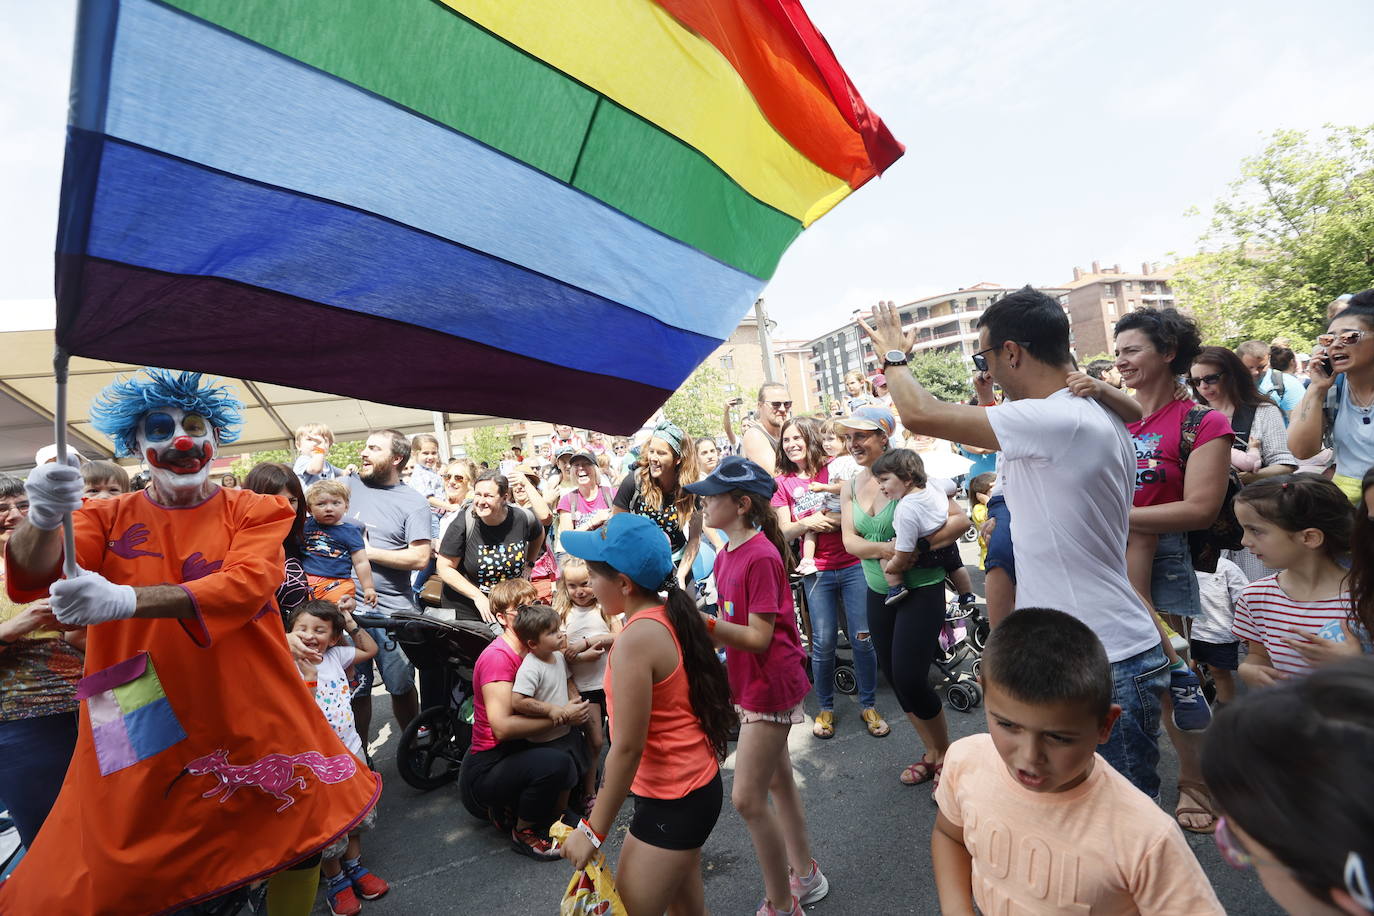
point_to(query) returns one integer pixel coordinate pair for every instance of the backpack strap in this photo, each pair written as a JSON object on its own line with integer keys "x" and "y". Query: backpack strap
{"x": 1242, "y": 423}
{"x": 1192, "y": 422}
{"x": 1276, "y": 380}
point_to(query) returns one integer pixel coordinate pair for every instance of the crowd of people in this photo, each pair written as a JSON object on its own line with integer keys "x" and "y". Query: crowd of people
{"x": 1182, "y": 520}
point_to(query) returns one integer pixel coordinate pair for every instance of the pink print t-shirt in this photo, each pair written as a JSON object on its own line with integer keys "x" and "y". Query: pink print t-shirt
{"x": 750, "y": 580}
{"x": 1158, "y": 470}
{"x": 794, "y": 493}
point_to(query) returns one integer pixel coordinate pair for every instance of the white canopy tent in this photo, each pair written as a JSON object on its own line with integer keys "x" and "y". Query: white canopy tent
{"x": 270, "y": 416}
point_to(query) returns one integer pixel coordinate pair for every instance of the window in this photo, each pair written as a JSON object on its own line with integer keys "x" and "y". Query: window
{"x": 972, "y": 302}
{"x": 727, "y": 362}
{"x": 1111, "y": 308}
{"x": 1130, "y": 286}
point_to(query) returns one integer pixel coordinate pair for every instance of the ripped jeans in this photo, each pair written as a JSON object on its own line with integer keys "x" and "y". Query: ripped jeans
{"x": 824, "y": 590}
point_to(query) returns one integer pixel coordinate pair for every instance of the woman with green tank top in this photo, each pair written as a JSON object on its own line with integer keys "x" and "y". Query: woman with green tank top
{"x": 905, "y": 634}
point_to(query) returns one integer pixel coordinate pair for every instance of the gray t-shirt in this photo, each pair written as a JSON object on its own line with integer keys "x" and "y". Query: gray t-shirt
{"x": 394, "y": 517}
{"x": 547, "y": 682}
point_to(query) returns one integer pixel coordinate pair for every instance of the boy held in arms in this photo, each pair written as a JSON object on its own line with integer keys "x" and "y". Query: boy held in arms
{"x": 1031, "y": 818}
{"x": 334, "y": 548}
{"x": 313, "y": 442}
{"x": 543, "y": 687}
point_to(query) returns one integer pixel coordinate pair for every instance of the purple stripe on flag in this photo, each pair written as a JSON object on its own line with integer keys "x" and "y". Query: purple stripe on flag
{"x": 113, "y": 749}
{"x": 131, "y": 314}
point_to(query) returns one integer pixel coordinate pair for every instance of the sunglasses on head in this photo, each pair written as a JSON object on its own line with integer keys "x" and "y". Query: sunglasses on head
{"x": 1211, "y": 379}
{"x": 1344, "y": 338}
{"x": 779, "y": 405}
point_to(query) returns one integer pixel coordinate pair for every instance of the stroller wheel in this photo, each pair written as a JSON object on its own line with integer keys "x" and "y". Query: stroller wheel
{"x": 980, "y": 633}
{"x": 977, "y": 667}
{"x": 845, "y": 682}
{"x": 960, "y": 697}
{"x": 977, "y": 691}
{"x": 430, "y": 759}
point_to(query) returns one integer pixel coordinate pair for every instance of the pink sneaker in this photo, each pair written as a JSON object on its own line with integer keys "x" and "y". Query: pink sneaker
{"x": 811, "y": 888}
{"x": 767, "y": 909}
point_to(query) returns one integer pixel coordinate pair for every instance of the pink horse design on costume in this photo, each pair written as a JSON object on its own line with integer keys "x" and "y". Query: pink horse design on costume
{"x": 274, "y": 774}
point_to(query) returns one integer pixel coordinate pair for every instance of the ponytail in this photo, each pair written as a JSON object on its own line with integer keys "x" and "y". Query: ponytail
{"x": 762, "y": 517}
{"x": 707, "y": 687}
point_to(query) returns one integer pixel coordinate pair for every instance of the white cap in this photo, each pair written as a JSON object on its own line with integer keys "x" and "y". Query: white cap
{"x": 49, "y": 453}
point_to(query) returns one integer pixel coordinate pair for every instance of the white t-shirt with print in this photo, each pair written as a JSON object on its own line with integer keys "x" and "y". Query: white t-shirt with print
{"x": 332, "y": 693}
{"x": 1068, "y": 475}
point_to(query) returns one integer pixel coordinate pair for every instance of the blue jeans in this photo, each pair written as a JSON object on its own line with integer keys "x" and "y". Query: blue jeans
{"x": 1133, "y": 747}
{"x": 823, "y": 593}
{"x": 34, "y": 754}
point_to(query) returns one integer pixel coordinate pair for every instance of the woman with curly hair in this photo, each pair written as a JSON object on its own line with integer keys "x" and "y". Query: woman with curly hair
{"x": 655, "y": 489}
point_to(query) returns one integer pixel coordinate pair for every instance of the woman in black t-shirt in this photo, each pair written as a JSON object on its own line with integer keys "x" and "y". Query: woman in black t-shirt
{"x": 654, "y": 489}
{"x": 489, "y": 542}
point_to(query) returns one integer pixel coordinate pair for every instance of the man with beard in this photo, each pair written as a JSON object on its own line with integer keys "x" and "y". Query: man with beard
{"x": 396, "y": 519}
{"x": 761, "y": 439}
{"x": 202, "y": 763}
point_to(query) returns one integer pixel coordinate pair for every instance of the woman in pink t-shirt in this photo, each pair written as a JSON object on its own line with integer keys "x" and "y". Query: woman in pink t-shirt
{"x": 1173, "y": 497}
{"x": 800, "y": 507}
{"x": 766, "y": 666}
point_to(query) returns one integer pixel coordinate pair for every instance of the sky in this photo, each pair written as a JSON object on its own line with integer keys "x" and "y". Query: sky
{"x": 1040, "y": 136}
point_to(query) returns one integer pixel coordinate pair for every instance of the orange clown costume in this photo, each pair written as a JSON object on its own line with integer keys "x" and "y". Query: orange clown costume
{"x": 202, "y": 762}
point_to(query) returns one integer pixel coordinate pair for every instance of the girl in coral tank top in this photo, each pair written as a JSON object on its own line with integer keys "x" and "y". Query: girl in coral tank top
{"x": 669, "y": 706}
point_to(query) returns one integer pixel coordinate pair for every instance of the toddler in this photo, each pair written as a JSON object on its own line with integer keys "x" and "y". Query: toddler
{"x": 313, "y": 442}
{"x": 104, "y": 479}
{"x": 922, "y": 510}
{"x": 334, "y": 548}
{"x": 543, "y": 687}
{"x": 589, "y": 631}
{"x": 321, "y": 626}
{"x": 838, "y": 469}
{"x": 980, "y": 491}
{"x": 1212, "y": 641}
{"x": 1031, "y": 818}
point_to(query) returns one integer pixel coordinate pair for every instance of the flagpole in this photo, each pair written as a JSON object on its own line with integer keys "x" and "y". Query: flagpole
{"x": 59, "y": 369}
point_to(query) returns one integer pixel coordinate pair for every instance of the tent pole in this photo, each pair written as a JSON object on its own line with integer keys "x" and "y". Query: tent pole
{"x": 59, "y": 369}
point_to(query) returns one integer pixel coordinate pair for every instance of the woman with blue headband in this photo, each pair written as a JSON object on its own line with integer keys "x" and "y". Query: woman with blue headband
{"x": 654, "y": 488}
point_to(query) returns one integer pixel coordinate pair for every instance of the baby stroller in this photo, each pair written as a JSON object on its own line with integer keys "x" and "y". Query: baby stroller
{"x": 959, "y": 656}
{"x": 431, "y": 748}
{"x": 846, "y": 681}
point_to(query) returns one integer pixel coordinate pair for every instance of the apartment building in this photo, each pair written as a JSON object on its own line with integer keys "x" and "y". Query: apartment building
{"x": 1096, "y": 298}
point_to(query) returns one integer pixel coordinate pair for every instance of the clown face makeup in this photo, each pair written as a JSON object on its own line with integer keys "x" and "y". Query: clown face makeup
{"x": 178, "y": 448}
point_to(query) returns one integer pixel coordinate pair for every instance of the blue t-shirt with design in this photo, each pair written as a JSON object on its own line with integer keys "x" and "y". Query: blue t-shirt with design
{"x": 329, "y": 548}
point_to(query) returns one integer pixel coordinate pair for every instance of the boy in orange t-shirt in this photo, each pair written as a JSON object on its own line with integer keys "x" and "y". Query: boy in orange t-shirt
{"x": 1031, "y": 818}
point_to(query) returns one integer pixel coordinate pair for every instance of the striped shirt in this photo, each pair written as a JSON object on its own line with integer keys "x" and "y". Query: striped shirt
{"x": 1265, "y": 614}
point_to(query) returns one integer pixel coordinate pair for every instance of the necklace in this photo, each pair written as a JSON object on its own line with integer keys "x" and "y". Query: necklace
{"x": 1364, "y": 410}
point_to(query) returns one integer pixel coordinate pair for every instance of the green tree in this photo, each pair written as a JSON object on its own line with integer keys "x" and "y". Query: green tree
{"x": 1295, "y": 231}
{"x": 488, "y": 444}
{"x": 698, "y": 404}
{"x": 341, "y": 455}
{"x": 943, "y": 373}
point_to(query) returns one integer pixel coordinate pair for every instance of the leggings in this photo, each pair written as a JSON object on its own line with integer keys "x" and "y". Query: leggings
{"x": 906, "y": 636}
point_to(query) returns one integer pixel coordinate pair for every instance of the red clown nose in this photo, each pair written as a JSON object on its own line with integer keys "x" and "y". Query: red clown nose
{"x": 183, "y": 443}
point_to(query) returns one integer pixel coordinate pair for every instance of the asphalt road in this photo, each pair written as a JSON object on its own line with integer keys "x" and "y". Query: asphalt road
{"x": 870, "y": 834}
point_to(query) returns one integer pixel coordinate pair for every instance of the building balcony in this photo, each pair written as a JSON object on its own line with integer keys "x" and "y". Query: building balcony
{"x": 944, "y": 340}
{"x": 959, "y": 312}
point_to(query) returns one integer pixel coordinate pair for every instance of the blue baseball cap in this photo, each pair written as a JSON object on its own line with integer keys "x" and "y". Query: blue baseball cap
{"x": 877, "y": 419}
{"x": 631, "y": 544}
{"x": 735, "y": 473}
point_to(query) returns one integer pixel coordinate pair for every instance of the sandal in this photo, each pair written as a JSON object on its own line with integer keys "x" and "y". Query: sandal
{"x": 825, "y": 724}
{"x": 876, "y": 726}
{"x": 1201, "y": 794}
{"x": 920, "y": 771}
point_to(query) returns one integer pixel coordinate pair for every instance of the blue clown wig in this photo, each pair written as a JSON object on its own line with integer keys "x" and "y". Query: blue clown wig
{"x": 118, "y": 408}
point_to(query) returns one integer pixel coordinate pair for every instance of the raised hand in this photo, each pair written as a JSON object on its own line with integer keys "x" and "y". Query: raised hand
{"x": 886, "y": 331}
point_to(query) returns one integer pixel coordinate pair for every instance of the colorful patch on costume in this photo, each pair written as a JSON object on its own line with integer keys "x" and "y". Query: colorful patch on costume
{"x": 274, "y": 774}
{"x": 131, "y": 717}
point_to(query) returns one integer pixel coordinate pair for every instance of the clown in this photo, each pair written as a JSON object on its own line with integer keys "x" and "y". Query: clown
{"x": 189, "y": 685}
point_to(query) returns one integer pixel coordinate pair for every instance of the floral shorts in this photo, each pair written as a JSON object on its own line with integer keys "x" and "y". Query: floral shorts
{"x": 793, "y": 716}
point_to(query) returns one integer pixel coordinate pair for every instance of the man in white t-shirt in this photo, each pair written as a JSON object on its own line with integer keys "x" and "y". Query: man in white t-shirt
{"x": 1068, "y": 472}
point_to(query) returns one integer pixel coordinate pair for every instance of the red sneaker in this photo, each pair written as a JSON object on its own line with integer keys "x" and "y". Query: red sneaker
{"x": 368, "y": 885}
{"x": 344, "y": 902}
{"x": 528, "y": 842}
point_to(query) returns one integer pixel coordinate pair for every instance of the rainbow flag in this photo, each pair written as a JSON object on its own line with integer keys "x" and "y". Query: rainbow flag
{"x": 542, "y": 209}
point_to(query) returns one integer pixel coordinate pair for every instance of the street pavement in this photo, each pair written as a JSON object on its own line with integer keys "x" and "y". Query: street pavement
{"x": 870, "y": 833}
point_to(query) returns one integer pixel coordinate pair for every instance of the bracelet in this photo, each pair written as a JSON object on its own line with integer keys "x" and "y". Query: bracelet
{"x": 587, "y": 831}
{"x": 352, "y": 631}
{"x": 711, "y": 626}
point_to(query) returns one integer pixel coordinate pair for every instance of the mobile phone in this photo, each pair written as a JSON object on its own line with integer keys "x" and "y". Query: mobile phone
{"x": 1325, "y": 363}
{"x": 735, "y": 402}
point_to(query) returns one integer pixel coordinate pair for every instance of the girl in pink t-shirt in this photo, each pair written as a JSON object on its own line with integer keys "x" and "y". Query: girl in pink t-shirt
{"x": 766, "y": 666}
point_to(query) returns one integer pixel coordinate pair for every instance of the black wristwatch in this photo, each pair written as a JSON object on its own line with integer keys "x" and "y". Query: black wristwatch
{"x": 895, "y": 358}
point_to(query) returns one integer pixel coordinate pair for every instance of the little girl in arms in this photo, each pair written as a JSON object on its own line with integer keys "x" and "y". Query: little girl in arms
{"x": 590, "y": 631}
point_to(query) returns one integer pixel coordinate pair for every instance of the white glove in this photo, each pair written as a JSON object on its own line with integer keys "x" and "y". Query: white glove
{"x": 54, "y": 490}
{"x": 91, "y": 598}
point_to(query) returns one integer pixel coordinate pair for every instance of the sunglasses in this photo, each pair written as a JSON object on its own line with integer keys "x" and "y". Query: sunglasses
{"x": 779, "y": 405}
{"x": 1212, "y": 379}
{"x": 980, "y": 362}
{"x": 1344, "y": 338}
{"x": 458, "y": 477}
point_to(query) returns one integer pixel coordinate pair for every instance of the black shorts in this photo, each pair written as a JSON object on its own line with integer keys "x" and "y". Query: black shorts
{"x": 595, "y": 696}
{"x": 678, "y": 823}
{"x": 1225, "y": 656}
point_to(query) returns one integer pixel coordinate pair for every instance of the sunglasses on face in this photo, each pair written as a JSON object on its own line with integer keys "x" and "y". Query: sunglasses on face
{"x": 1344, "y": 338}
{"x": 779, "y": 405}
{"x": 980, "y": 361}
{"x": 1206, "y": 379}
{"x": 458, "y": 477}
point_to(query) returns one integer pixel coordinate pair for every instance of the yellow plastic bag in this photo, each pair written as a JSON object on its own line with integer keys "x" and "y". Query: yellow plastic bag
{"x": 591, "y": 892}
